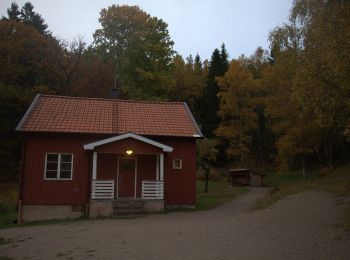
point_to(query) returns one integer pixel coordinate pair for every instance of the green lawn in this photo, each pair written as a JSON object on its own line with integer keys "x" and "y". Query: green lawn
{"x": 219, "y": 192}
{"x": 8, "y": 203}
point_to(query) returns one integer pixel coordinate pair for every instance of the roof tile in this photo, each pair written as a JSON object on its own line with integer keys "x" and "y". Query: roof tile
{"x": 108, "y": 116}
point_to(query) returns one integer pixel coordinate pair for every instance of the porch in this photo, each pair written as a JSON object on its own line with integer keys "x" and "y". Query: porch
{"x": 106, "y": 190}
{"x": 127, "y": 168}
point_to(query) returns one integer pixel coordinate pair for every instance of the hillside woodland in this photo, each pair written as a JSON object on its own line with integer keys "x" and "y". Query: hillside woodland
{"x": 287, "y": 106}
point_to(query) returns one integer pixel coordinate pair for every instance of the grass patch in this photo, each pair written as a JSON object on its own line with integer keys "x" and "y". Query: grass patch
{"x": 44, "y": 222}
{"x": 8, "y": 203}
{"x": 4, "y": 241}
{"x": 5, "y": 258}
{"x": 335, "y": 181}
{"x": 219, "y": 192}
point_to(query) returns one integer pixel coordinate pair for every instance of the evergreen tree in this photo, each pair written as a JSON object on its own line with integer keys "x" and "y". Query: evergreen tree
{"x": 218, "y": 65}
{"x": 13, "y": 13}
{"x": 28, "y": 16}
{"x": 197, "y": 63}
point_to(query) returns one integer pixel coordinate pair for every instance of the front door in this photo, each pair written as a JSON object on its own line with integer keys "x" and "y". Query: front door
{"x": 126, "y": 178}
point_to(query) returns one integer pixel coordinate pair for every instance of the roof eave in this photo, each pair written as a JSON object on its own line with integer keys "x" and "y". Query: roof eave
{"x": 199, "y": 132}
{"x": 26, "y": 114}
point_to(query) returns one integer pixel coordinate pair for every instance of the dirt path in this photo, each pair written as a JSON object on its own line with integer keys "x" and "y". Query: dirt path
{"x": 302, "y": 226}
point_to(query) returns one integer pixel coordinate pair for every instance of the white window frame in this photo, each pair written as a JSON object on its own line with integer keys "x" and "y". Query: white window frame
{"x": 58, "y": 176}
{"x": 179, "y": 167}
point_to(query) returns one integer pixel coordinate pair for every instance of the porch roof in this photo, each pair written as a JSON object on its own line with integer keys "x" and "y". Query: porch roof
{"x": 92, "y": 146}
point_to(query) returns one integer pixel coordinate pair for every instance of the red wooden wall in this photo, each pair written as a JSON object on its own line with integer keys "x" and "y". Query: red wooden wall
{"x": 180, "y": 185}
{"x": 36, "y": 190}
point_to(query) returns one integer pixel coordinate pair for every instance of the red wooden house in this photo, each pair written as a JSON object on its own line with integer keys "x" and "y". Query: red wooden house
{"x": 81, "y": 155}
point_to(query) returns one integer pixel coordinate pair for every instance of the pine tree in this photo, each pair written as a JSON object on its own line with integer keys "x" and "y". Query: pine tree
{"x": 28, "y": 16}
{"x": 13, "y": 13}
{"x": 218, "y": 65}
{"x": 197, "y": 63}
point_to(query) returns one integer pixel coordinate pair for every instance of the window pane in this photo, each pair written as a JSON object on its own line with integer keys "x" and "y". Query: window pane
{"x": 66, "y": 166}
{"x": 51, "y": 174}
{"x": 177, "y": 164}
{"x": 51, "y": 166}
{"x": 65, "y": 174}
{"x": 66, "y": 158}
{"x": 52, "y": 157}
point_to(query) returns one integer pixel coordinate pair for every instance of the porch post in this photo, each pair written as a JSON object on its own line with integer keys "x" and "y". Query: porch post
{"x": 161, "y": 170}
{"x": 157, "y": 167}
{"x": 94, "y": 166}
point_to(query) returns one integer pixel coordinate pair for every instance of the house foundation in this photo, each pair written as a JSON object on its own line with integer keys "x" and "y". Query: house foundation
{"x": 47, "y": 212}
{"x": 105, "y": 208}
{"x": 154, "y": 206}
{"x": 101, "y": 208}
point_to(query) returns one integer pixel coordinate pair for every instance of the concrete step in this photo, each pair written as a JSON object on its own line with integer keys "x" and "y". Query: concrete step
{"x": 126, "y": 212}
{"x": 129, "y": 216}
{"x": 128, "y": 202}
{"x": 128, "y": 208}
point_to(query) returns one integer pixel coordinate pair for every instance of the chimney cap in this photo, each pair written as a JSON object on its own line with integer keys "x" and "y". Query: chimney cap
{"x": 114, "y": 93}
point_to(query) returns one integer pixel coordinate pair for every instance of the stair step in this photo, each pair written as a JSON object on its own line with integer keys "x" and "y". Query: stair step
{"x": 128, "y": 208}
{"x": 129, "y": 216}
{"x": 128, "y": 203}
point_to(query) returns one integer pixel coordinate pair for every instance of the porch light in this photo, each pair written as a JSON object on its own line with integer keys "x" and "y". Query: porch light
{"x": 129, "y": 152}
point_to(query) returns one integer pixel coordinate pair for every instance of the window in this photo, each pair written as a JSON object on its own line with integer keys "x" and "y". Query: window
{"x": 58, "y": 166}
{"x": 177, "y": 164}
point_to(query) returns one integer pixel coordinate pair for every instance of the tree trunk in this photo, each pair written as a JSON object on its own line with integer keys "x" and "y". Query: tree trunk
{"x": 303, "y": 165}
{"x": 207, "y": 170}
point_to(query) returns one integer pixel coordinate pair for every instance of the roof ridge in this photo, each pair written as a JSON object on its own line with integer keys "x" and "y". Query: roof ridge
{"x": 112, "y": 99}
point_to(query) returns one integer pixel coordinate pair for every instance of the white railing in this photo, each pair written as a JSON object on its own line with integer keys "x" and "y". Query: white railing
{"x": 153, "y": 190}
{"x": 102, "y": 189}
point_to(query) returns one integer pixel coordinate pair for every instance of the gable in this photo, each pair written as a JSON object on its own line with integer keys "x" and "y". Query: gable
{"x": 129, "y": 141}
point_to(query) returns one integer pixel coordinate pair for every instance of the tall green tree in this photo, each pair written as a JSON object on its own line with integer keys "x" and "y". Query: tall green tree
{"x": 13, "y": 13}
{"x": 140, "y": 48}
{"x": 218, "y": 65}
{"x": 28, "y": 16}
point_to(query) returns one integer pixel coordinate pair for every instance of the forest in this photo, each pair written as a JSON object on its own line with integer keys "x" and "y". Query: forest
{"x": 285, "y": 107}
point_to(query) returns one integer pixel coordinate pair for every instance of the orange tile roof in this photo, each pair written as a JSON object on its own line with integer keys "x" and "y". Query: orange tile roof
{"x": 108, "y": 116}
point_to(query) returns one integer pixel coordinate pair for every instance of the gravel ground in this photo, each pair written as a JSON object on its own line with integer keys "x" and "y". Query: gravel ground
{"x": 301, "y": 226}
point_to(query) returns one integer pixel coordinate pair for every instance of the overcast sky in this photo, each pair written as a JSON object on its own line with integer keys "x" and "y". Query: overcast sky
{"x": 196, "y": 26}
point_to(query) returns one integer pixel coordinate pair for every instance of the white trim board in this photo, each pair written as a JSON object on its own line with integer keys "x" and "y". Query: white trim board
{"x": 92, "y": 146}
{"x": 24, "y": 118}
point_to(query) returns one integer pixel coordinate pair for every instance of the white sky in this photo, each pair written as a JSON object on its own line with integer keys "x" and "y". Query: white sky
{"x": 196, "y": 26}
